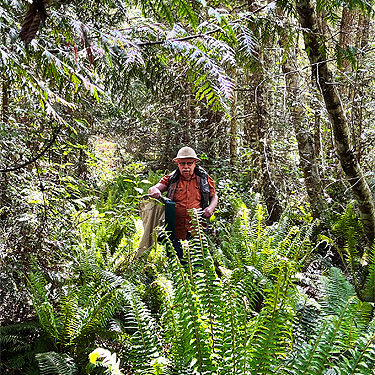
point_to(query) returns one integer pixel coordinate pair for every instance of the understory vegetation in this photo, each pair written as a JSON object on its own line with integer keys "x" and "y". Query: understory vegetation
{"x": 278, "y": 100}
{"x": 252, "y": 299}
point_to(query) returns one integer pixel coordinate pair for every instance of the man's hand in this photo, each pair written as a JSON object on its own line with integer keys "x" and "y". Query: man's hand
{"x": 208, "y": 212}
{"x": 154, "y": 192}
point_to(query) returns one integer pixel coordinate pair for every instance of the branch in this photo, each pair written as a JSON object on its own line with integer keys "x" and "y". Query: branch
{"x": 218, "y": 29}
{"x": 312, "y": 65}
{"x": 35, "y": 158}
{"x": 158, "y": 42}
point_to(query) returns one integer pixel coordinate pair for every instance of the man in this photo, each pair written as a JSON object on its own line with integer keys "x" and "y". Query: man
{"x": 190, "y": 187}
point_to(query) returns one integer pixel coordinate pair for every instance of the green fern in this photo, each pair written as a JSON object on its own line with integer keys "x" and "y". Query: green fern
{"x": 81, "y": 314}
{"x": 359, "y": 361}
{"x": 239, "y": 299}
{"x": 19, "y": 343}
{"x": 196, "y": 338}
{"x": 338, "y": 332}
{"x": 251, "y": 243}
{"x": 142, "y": 328}
{"x": 331, "y": 9}
{"x": 348, "y": 229}
{"x": 312, "y": 358}
{"x": 368, "y": 293}
{"x": 272, "y": 333}
{"x": 204, "y": 277}
{"x": 215, "y": 320}
{"x": 52, "y": 363}
{"x": 43, "y": 307}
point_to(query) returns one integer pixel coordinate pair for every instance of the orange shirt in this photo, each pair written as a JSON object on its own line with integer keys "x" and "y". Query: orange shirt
{"x": 187, "y": 195}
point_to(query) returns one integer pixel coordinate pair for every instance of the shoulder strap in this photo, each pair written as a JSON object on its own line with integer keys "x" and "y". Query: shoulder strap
{"x": 174, "y": 177}
{"x": 204, "y": 186}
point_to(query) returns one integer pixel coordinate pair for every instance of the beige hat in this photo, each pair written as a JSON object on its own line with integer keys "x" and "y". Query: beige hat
{"x": 186, "y": 153}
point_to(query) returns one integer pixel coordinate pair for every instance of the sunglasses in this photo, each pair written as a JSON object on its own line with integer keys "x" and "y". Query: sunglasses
{"x": 189, "y": 163}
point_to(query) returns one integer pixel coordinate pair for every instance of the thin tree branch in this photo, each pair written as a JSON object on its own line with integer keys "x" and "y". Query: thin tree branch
{"x": 159, "y": 42}
{"x": 35, "y": 158}
{"x": 363, "y": 53}
{"x": 190, "y": 37}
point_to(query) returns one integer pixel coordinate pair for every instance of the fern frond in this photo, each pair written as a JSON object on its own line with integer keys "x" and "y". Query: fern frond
{"x": 341, "y": 300}
{"x": 12, "y": 337}
{"x": 139, "y": 321}
{"x": 196, "y": 336}
{"x": 272, "y": 335}
{"x": 337, "y": 332}
{"x": 166, "y": 10}
{"x": 51, "y": 363}
{"x": 238, "y": 307}
{"x": 185, "y": 10}
{"x": 312, "y": 358}
{"x": 338, "y": 292}
{"x": 43, "y": 308}
{"x": 246, "y": 40}
{"x": 206, "y": 282}
{"x": 209, "y": 73}
{"x": 361, "y": 359}
{"x": 307, "y": 320}
{"x": 368, "y": 293}
{"x": 170, "y": 322}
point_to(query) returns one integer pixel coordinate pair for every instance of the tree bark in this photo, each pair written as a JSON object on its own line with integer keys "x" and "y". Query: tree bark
{"x": 189, "y": 117}
{"x": 257, "y": 135}
{"x": 358, "y": 89}
{"x": 233, "y": 131}
{"x": 346, "y": 37}
{"x": 4, "y": 177}
{"x": 305, "y": 140}
{"x": 343, "y": 144}
{"x": 317, "y": 131}
{"x": 363, "y": 31}
{"x": 5, "y": 99}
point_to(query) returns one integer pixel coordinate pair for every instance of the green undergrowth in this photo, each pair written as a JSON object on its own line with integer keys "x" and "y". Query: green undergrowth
{"x": 249, "y": 299}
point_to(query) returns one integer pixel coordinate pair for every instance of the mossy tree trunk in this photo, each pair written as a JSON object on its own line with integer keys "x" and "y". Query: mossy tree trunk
{"x": 4, "y": 177}
{"x": 257, "y": 137}
{"x": 233, "y": 130}
{"x": 258, "y": 133}
{"x": 343, "y": 144}
{"x": 305, "y": 139}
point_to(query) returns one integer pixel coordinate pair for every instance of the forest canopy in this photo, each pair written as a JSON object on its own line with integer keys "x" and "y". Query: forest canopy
{"x": 276, "y": 97}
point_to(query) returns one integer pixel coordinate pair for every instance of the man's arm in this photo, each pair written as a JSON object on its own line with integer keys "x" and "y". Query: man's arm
{"x": 156, "y": 190}
{"x": 208, "y": 211}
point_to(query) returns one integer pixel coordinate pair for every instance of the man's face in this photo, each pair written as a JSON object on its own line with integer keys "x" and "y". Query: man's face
{"x": 186, "y": 167}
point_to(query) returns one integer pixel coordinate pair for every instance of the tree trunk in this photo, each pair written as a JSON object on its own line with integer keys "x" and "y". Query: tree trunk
{"x": 4, "y": 177}
{"x": 4, "y": 88}
{"x": 317, "y": 131}
{"x": 305, "y": 140}
{"x": 257, "y": 135}
{"x": 188, "y": 120}
{"x": 5, "y": 98}
{"x": 233, "y": 130}
{"x": 363, "y": 31}
{"x": 344, "y": 148}
{"x": 268, "y": 187}
{"x": 346, "y": 36}
{"x": 358, "y": 95}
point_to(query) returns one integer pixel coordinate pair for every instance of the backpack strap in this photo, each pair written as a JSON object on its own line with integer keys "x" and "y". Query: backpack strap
{"x": 174, "y": 177}
{"x": 204, "y": 185}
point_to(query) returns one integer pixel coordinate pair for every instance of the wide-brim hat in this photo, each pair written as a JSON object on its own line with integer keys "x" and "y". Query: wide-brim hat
{"x": 186, "y": 153}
